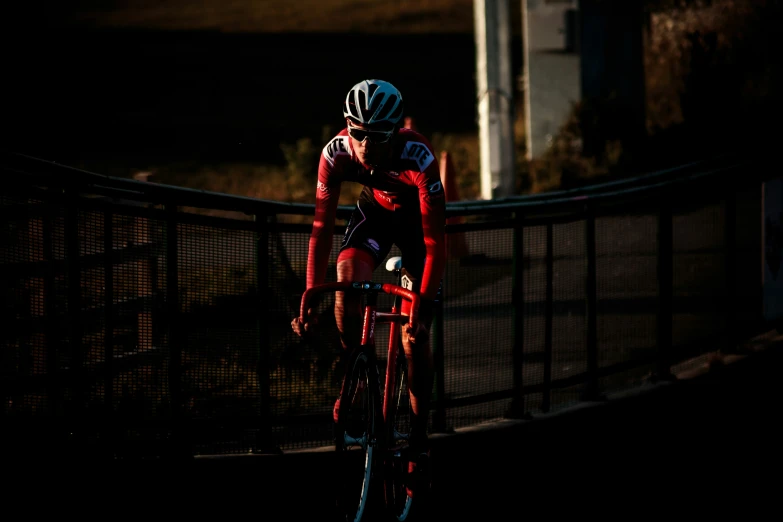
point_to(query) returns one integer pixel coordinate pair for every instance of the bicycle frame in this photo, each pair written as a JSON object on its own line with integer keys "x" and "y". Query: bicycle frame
{"x": 371, "y": 318}
{"x": 385, "y": 436}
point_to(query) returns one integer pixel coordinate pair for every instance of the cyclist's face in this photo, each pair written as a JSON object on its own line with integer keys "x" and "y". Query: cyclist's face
{"x": 374, "y": 147}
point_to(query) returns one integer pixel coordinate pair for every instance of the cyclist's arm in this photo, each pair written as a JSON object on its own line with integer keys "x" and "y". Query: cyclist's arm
{"x": 432, "y": 200}
{"x": 327, "y": 195}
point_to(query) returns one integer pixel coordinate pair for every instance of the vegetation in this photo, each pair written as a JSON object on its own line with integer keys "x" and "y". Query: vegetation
{"x": 709, "y": 64}
{"x": 295, "y": 181}
{"x": 699, "y": 54}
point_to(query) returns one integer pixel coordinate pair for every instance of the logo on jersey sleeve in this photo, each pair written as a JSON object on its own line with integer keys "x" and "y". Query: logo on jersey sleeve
{"x": 338, "y": 146}
{"x": 435, "y": 188}
{"x": 419, "y": 153}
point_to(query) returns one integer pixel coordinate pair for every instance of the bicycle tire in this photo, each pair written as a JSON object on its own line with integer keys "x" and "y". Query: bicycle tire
{"x": 398, "y": 503}
{"x": 358, "y": 439}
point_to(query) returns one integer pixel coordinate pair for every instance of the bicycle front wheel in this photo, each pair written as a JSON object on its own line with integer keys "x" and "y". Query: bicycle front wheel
{"x": 398, "y": 502}
{"x": 358, "y": 438}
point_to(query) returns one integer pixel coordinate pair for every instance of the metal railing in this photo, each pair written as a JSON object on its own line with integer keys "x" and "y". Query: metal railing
{"x": 136, "y": 325}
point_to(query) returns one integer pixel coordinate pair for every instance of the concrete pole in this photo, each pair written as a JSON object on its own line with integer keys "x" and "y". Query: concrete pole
{"x": 495, "y": 97}
{"x": 526, "y": 82}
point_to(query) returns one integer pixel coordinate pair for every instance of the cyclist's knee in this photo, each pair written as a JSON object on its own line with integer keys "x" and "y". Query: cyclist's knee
{"x": 346, "y": 320}
{"x": 353, "y": 264}
{"x": 346, "y": 304}
{"x": 347, "y": 313}
{"x": 350, "y": 328}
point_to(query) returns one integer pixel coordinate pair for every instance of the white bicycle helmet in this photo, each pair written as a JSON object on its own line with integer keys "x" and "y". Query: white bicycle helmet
{"x": 373, "y": 102}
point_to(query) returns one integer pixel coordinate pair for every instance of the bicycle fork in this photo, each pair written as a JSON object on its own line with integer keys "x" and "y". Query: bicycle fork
{"x": 363, "y": 355}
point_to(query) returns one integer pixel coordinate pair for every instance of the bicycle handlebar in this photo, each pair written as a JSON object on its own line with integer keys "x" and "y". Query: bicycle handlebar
{"x": 363, "y": 286}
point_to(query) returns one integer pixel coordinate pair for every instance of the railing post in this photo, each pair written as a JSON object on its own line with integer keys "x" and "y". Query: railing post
{"x": 33, "y": 343}
{"x": 108, "y": 334}
{"x": 517, "y": 407}
{"x": 547, "y": 396}
{"x": 665, "y": 291}
{"x": 439, "y": 418}
{"x": 52, "y": 337}
{"x": 591, "y": 391}
{"x": 265, "y": 442}
{"x": 731, "y": 275}
{"x": 74, "y": 320}
{"x": 179, "y": 441}
{"x": 144, "y": 285}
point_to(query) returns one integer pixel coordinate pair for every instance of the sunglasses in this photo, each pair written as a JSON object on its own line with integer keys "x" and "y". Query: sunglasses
{"x": 372, "y": 136}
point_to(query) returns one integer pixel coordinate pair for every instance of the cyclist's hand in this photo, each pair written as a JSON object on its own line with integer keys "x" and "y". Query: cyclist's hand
{"x": 301, "y": 327}
{"x": 418, "y": 334}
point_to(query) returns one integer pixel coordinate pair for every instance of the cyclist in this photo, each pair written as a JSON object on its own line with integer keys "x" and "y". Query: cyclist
{"x": 402, "y": 203}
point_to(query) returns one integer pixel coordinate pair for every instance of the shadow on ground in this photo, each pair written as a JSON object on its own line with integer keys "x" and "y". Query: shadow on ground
{"x": 707, "y": 445}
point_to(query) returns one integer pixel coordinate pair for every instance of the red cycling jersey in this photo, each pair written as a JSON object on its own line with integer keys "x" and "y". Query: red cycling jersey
{"x": 409, "y": 183}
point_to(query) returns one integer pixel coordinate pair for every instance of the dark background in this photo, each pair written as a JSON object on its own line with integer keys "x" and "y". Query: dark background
{"x": 134, "y": 97}
{"x": 221, "y": 96}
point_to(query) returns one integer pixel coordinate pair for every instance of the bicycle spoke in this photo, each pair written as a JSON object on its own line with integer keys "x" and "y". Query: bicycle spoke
{"x": 357, "y": 442}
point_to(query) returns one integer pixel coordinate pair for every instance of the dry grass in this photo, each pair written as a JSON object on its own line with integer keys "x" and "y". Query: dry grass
{"x": 295, "y": 182}
{"x": 561, "y": 167}
{"x": 731, "y": 37}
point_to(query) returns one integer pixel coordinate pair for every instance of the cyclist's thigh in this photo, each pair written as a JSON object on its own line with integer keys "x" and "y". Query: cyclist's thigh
{"x": 355, "y": 264}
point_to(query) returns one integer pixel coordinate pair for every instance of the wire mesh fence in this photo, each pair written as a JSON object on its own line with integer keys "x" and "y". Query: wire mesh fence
{"x": 134, "y": 326}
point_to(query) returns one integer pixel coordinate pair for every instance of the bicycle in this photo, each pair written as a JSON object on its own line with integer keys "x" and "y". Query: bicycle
{"x": 373, "y": 423}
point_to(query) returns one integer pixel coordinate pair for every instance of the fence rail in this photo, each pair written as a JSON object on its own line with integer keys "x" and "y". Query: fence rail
{"x": 134, "y": 326}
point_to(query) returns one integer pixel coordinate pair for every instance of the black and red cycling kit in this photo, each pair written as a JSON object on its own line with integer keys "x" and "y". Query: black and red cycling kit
{"x": 403, "y": 202}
